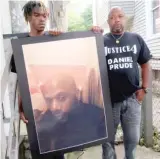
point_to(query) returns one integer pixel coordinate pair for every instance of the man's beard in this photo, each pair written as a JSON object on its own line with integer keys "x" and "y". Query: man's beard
{"x": 117, "y": 30}
{"x": 59, "y": 115}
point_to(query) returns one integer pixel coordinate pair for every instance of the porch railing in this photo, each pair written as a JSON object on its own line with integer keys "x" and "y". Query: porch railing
{"x": 9, "y": 116}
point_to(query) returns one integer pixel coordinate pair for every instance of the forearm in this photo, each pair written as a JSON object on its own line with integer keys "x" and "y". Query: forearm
{"x": 21, "y": 112}
{"x": 20, "y": 103}
{"x": 145, "y": 68}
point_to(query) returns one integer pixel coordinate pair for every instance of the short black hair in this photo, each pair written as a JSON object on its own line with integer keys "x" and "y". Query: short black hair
{"x": 29, "y": 6}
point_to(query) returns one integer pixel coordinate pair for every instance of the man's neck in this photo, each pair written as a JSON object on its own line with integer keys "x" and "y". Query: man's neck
{"x": 36, "y": 33}
{"x": 117, "y": 33}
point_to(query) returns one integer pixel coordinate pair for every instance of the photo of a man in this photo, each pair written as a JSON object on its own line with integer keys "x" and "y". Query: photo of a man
{"x": 67, "y": 121}
{"x": 66, "y": 94}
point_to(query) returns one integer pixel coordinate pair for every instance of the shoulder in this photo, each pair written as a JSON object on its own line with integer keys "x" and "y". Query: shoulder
{"x": 106, "y": 36}
{"x": 93, "y": 109}
{"x": 134, "y": 35}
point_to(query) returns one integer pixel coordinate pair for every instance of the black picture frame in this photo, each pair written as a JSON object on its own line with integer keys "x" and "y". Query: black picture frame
{"x": 24, "y": 86}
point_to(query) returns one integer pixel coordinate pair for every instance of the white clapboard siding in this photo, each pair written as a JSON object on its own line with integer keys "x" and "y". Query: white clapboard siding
{"x": 139, "y": 23}
{"x": 154, "y": 46}
{"x": 140, "y": 26}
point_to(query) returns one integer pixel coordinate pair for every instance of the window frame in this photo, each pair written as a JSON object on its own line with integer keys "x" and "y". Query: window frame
{"x": 150, "y": 21}
{"x": 153, "y": 9}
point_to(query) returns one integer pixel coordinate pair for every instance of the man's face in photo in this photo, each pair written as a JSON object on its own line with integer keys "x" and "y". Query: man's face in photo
{"x": 60, "y": 94}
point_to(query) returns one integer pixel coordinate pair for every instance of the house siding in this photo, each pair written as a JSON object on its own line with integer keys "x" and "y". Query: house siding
{"x": 139, "y": 21}
{"x": 154, "y": 46}
{"x": 140, "y": 27}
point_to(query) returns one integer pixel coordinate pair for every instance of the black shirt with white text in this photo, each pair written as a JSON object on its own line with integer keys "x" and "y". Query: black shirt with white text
{"x": 122, "y": 62}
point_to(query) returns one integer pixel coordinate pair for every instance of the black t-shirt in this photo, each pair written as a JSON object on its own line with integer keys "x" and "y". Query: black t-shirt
{"x": 84, "y": 123}
{"x": 12, "y": 64}
{"x": 122, "y": 62}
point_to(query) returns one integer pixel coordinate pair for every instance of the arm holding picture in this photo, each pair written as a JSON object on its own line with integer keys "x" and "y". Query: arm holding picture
{"x": 36, "y": 14}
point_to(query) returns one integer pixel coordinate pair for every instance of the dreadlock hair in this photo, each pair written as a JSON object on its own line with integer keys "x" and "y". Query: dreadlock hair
{"x": 29, "y": 6}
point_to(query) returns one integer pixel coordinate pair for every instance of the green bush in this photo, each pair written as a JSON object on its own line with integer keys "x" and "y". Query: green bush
{"x": 156, "y": 140}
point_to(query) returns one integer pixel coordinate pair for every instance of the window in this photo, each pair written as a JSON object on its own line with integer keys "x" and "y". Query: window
{"x": 156, "y": 16}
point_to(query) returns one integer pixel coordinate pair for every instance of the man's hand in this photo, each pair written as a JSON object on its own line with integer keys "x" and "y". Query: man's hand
{"x": 21, "y": 112}
{"x": 22, "y": 117}
{"x": 97, "y": 29}
{"x": 55, "y": 32}
{"x": 140, "y": 95}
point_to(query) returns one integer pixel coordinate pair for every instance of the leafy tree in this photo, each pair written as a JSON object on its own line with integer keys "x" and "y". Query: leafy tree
{"x": 75, "y": 23}
{"x": 87, "y": 17}
{"x": 80, "y": 22}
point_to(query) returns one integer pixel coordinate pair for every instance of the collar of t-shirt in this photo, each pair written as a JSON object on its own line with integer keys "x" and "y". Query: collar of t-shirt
{"x": 45, "y": 33}
{"x": 115, "y": 35}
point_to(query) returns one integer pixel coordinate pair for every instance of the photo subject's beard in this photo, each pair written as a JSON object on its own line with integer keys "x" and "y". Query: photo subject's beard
{"x": 60, "y": 116}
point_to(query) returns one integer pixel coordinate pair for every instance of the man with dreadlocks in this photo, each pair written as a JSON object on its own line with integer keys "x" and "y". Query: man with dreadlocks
{"x": 36, "y": 14}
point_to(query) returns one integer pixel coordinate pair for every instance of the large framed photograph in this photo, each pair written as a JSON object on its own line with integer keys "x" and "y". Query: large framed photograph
{"x": 64, "y": 87}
